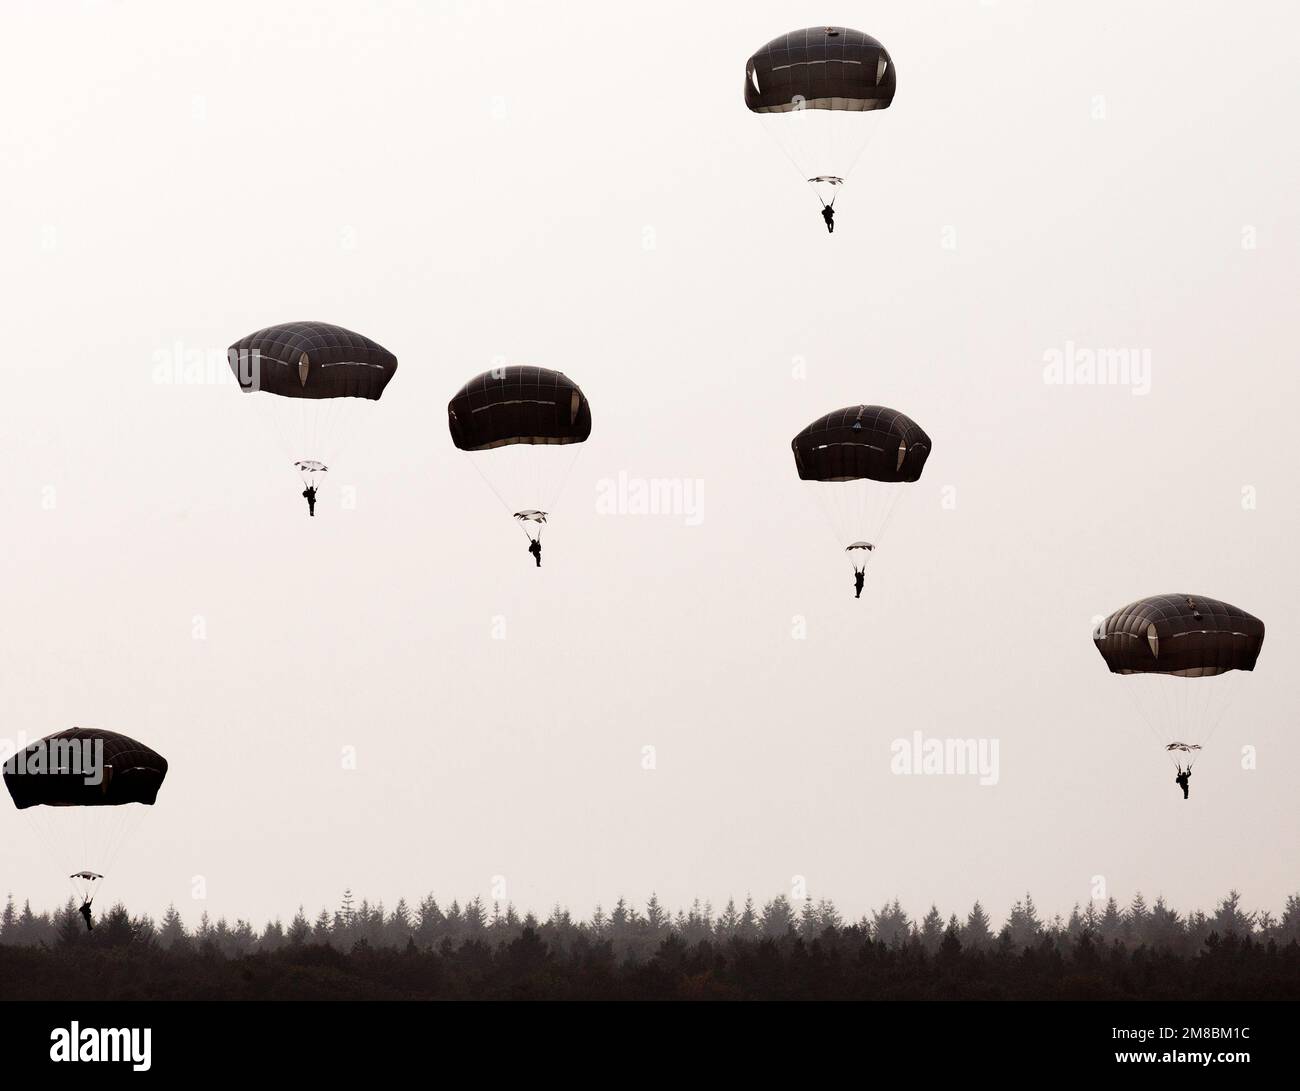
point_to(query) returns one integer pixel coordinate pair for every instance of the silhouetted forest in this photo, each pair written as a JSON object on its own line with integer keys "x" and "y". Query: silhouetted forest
{"x": 364, "y": 951}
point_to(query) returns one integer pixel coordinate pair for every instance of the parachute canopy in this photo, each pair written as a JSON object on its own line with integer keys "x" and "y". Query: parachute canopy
{"x": 1179, "y": 634}
{"x": 84, "y": 767}
{"x": 820, "y": 68}
{"x": 861, "y": 441}
{"x": 312, "y": 360}
{"x": 516, "y": 404}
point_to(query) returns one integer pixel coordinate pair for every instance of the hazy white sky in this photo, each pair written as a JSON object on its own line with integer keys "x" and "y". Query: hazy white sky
{"x": 581, "y": 187}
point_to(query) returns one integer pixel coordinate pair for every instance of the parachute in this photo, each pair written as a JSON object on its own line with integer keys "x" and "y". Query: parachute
{"x": 858, "y": 554}
{"x": 312, "y": 471}
{"x": 856, "y": 461}
{"x": 84, "y": 791}
{"x": 1180, "y": 656}
{"x": 321, "y": 376}
{"x": 520, "y": 426}
{"x": 818, "y": 92}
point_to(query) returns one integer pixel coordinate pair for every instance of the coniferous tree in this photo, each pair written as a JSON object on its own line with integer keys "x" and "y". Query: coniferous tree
{"x": 778, "y": 918}
{"x": 932, "y": 930}
{"x": 1288, "y": 928}
{"x": 429, "y": 922}
{"x": 977, "y": 935}
{"x": 1091, "y": 918}
{"x": 1230, "y": 919}
{"x": 808, "y": 925}
{"x": 70, "y": 927}
{"x": 828, "y": 916}
{"x": 1111, "y": 925}
{"x": 1136, "y": 919}
{"x": 1164, "y": 930}
{"x": 475, "y": 917}
{"x": 146, "y": 932}
{"x": 950, "y": 945}
{"x": 656, "y": 917}
{"x": 1023, "y": 924}
{"x": 890, "y": 925}
{"x": 114, "y": 928}
{"x": 399, "y": 927}
{"x": 299, "y": 929}
{"x": 241, "y": 938}
{"x": 172, "y": 933}
{"x": 272, "y": 937}
{"x": 620, "y": 924}
{"x": 8, "y": 920}
{"x": 728, "y": 921}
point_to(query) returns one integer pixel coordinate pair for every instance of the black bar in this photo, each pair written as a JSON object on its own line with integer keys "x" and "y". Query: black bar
{"x": 208, "y": 1038}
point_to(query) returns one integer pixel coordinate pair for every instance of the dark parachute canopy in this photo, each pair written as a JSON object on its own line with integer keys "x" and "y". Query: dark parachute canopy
{"x": 820, "y": 68}
{"x": 518, "y": 404}
{"x": 861, "y": 441}
{"x": 857, "y": 462}
{"x": 1177, "y": 634}
{"x": 45, "y": 773}
{"x": 84, "y": 824}
{"x": 330, "y": 377}
{"x": 1180, "y": 656}
{"x": 819, "y": 93}
{"x": 312, "y": 360}
{"x": 520, "y": 426}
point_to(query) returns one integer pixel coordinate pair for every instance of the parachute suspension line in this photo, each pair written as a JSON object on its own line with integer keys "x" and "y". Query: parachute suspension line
{"x": 318, "y": 430}
{"x": 85, "y": 838}
{"x": 1220, "y": 692}
{"x": 862, "y": 148}
{"x": 1182, "y": 710}
{"x": 861, "y": 509}
{"x": 51, "y": 844}
{"x": 891, "y": 502}
{"x": 817, "y": 136}
{"x": 563, "y": 479}
{"x": 124, "y": 830}
{"x": 536, "y": 481}
{"x": 44, "y": 835}
{"x": 1147, "y": 715}
{"x": 495, "y": 492}
{"x": 342, "y": 420}
{"x": 767, "y": 128}
{"x": 487, "y": 481}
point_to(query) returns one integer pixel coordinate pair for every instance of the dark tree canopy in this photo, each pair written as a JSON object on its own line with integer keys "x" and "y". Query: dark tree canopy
{"x": 312, "y": 360}
{"x": 132, "y": 773}
{"x": 518, "y": 405}
{"x": 1188, "y": 635}
{"x": 860, "y": 441}
{"x": 820, "y": 68}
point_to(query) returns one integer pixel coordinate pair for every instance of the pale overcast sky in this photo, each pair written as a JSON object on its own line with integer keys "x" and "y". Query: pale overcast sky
{"x": 581, "y": 187}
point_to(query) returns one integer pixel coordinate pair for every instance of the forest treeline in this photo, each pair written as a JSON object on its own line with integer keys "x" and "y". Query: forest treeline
{"x": 363, "y": 950}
